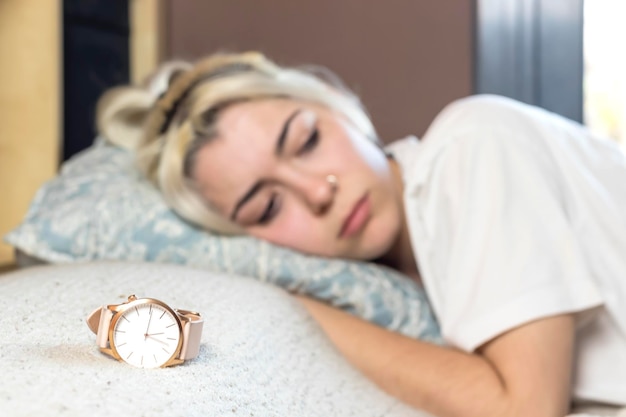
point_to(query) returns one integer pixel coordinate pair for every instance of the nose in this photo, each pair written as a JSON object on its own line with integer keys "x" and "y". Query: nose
{"x": 318, "y": 192}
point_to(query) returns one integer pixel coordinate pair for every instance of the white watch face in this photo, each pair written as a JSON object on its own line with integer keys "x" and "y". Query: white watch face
{"x": 146, "y": 336}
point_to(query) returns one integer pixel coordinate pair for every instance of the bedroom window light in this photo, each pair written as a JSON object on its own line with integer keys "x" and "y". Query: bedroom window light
{"x": 605, "y": 68}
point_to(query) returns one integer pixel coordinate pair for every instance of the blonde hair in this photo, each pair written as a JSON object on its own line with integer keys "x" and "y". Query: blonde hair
{"x": 169, "y": 118}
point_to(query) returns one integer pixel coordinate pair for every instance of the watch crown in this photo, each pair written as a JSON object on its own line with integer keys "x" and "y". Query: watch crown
{"x": 132, "y": 297}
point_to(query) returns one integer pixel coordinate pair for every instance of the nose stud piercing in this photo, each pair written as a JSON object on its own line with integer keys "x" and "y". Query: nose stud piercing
{"x": 332, "y": 180}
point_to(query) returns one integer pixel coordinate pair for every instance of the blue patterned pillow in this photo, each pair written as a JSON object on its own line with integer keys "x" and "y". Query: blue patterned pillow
{"x": 101, "y": 208}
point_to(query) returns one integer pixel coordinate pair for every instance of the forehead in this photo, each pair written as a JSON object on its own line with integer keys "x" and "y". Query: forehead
{"x": 254, "y": 116}
{"x": 243, "y": 149}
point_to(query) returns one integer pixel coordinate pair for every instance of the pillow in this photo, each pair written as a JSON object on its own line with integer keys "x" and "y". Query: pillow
{"x": 261, "y": 354}
{"x": 101, "y": 208}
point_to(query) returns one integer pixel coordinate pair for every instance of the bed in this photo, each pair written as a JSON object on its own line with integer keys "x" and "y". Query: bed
{"x": 99, "y": 233}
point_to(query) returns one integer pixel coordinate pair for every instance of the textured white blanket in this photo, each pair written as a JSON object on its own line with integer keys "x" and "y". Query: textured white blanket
{"x": 261, "y": 354}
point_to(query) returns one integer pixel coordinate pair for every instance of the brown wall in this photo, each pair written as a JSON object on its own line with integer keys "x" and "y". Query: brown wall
{"x": 405, "y": 58}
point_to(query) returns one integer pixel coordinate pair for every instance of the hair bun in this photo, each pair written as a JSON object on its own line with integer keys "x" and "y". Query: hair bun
{"x": 158, "y": 82}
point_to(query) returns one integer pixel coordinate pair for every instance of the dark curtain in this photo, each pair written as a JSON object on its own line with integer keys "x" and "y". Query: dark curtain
{"x": 95, "y": 57}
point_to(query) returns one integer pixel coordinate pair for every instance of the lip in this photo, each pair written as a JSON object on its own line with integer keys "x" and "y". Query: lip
{"x": 359, "y": 215}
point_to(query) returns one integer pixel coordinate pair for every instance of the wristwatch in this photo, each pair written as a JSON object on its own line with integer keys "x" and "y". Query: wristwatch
{"x": 146, "y": 333}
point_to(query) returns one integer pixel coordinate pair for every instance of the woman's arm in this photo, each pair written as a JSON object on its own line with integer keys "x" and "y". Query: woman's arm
{"x": 524, "y": 372}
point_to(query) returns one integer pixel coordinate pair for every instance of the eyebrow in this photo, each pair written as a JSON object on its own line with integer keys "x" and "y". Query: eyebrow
{"x": 280, "y": 144}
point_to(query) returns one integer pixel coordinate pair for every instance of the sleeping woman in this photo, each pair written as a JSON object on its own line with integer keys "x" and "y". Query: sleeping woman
{"x": 512, "y": 218}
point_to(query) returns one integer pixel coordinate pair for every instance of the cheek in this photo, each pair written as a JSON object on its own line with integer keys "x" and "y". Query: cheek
{"x": 368, "y": 154}
{"x": 296, "y": 229}
{"x": 358, "y": 145}
{"x": 356, "y": 155}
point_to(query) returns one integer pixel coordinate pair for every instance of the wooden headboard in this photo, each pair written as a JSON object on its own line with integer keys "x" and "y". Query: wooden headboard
{"x": 30, "y": 95}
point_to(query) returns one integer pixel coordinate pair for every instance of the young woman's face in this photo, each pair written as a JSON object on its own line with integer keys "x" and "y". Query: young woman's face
{"x": 271, "y": 169}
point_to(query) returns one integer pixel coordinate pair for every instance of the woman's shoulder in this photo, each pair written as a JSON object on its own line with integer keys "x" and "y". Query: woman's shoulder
{"x": 477, "y": 126}
{"x": 483, "y": 111}
{"x": 483, "y": 101}
{"x": 490, "y": 120}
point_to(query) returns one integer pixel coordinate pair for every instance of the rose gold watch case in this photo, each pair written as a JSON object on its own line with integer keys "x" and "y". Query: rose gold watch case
{"x": 118, "y": 311}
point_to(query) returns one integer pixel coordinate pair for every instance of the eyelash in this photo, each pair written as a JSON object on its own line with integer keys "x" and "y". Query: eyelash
{"x": 311, "y": 142}
{"x": 270, "y": 211}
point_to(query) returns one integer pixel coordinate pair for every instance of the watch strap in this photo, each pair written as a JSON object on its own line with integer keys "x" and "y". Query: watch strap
{"x": 192, "y": 333}
{"x": 99, "y": 321}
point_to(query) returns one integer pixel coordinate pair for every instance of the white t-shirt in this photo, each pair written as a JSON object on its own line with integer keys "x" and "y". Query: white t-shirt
{"x": 517, "y": 214}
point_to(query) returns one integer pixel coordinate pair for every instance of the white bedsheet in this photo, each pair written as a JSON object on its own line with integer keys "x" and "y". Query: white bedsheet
{"x": 261, "y": 353}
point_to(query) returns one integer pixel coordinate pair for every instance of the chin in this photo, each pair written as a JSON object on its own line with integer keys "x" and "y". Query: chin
{"x": 377, "y": 240}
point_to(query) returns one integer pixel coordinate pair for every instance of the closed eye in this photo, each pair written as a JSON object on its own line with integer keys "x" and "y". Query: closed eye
{"x": 311, "y": 142}
{"x": 270, "y": 211}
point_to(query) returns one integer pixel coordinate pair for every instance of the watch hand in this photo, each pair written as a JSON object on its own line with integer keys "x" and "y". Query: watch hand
{"x": 158, "y": 340}
{"x": 154, "y": 334}
{"x": 145, "y": 336}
